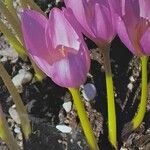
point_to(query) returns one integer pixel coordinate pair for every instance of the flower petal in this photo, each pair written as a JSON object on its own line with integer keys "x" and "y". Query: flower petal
{"x": 61, "y": 31}
{"x": 123, "y": 35}
{"x": 104, "y": 28}
{"x": 81, "y": 11}
{"x": 71, "y": 72}
{"x": 144, "y": 8}
{"x": 33, "y": 27}
{"x": 116, "y": 6}
{"x": 145, "y": 42}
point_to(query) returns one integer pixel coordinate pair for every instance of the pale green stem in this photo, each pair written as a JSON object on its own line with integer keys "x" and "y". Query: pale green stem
{"x": 112, "y": 131}
{"x": 6, "y": 134}
{"x": 144, "y": 93}
{"x": 13, "y": 11}
{"x": 23, "y": 3}
{"x": 10, "y": 6}
{"x": 13, "y": 40}
{"x": 25, "y": 123}
{"x": 12, "y": 21}
{"x": 84, "y": 119}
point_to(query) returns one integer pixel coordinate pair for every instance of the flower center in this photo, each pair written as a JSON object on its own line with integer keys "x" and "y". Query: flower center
{"x": 63, "y": 51}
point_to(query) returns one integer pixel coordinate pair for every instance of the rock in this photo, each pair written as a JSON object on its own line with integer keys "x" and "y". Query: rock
{"x": 57, "y": 1}
{"x": 64, "y": 128}
{"x": 9, "y": 54}
{"x": 89, "y": 91}
{"x": 130, "y": 86}
{"x": 132, "y": 79}
{"x": 21, "y": 78}
{"x": 67, "y": 106}
{"x": 17, "y": 130}
{"x": 148, "y": 131}
{"x": 123, "y": 148}
{"x": 14, "y": 115}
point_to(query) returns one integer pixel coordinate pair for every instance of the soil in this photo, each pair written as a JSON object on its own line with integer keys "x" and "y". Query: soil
{"x": 44, "y": 100}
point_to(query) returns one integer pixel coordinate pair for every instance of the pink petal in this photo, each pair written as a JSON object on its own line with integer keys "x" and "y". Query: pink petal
{"x": 131, "y": 17}
{"x": 104, "y": 28}
{"x": 71, "y": 72}
{"x": 123, "y": 35}
{"x": 132, "y": 8}
{"x": 33, "y": 27}
{"x": 145, "y": 42}
{"x": 61, "y": 31}
{"x": 116, "y": 6}
{"x": 144, "y": 8}
{"x": 46, "y": 48}
{"x": 81, "y": 11}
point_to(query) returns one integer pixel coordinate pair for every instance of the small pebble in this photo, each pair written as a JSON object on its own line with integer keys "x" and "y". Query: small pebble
{"x": 21, "y": 78}
{"x": 89, "y": 91}
{"x": 148, "y": 131}
{"x": 17, "y": 130}
{"x": 130, "y": 86}
{"x": 64, "y": 128}
{"x": 132, "y": 79}
{"x": 8, "y": 54}
{"x": 14, "y": 115}
{"x": 123, "y": 148}
{"x": 67, "y": 106}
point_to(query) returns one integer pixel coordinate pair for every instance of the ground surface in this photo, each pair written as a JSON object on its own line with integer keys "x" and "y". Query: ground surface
{"x": 44, "y": 102}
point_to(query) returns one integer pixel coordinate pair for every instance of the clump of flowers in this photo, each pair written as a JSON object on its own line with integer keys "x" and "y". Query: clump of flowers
{"x": 56, "y": 45}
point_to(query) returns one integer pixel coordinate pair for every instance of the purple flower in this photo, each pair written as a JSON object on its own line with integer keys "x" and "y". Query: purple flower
{"x": 133, "y": 26}
{"x": 95, "y": 18}
{"x": 56, "y": 46}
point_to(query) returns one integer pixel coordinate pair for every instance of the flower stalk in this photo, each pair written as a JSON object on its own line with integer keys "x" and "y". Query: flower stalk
{"x": 25, "y": 123}
{"x": 15, "y": 24}
{"x": 112, "y": 131}
{"x": 84, "y": 119}
{"x": 6, "y": 134}
{"x": 138, "y": 118}
{"x": 144, "y": 93}
{"x": 10, "y": 6}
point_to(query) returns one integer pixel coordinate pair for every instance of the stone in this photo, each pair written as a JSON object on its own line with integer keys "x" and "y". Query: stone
{"x": 130, "y": 86}
{"x": 132, "y": 79}
{"x": 67, "y": 106}
{"x": 21, "y": 78}
{"x": 64, "y": 128}
{"x": 89, "y": 91}
{"x": 123, "y": 148}
{"x": 8, "y": 54}
{"x": 17, "y": 130}
{"x": 14, "y": 115}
